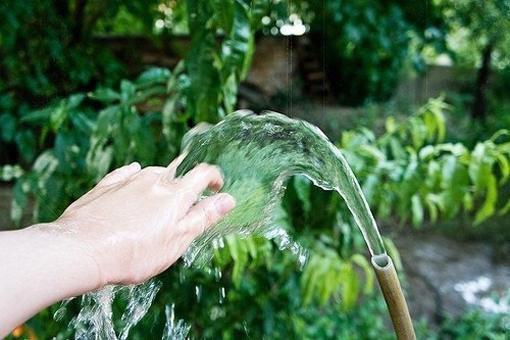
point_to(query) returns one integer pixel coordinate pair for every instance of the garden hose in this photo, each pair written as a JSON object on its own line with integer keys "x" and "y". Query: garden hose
{"x": 395, "y": 300}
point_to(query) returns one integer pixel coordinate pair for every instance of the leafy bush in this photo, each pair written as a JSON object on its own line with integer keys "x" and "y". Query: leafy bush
{"x": 474, "y": 324}
{"x": 54, "y": 54}
{"x": 409, "y": 171}
{"x": 85, "y": 135}
{"x": 367, "y": 44}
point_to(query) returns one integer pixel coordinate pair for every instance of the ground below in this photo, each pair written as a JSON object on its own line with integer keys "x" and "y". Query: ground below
{"x": 445, "y": 276}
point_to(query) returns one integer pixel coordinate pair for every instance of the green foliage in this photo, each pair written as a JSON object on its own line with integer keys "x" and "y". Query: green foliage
{"x": 48, "y": 48}
{"x": 258, "y": 279}
{"x": 327, "y": 274}
{"x": 85, "y": 135}
{"x": 469, "y": 326}
{"x": 46, "y": 54}
{"x": 409, "y": 172}
{"x": 85, "y": 145}
{"x": 473, "y": 25}
{"x": 214, "y": 73}
{"x": 368, "y": 43}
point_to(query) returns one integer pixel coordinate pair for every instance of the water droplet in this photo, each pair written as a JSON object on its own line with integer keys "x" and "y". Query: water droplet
{"x": 198, "y": 293}
{"x": 222, "y": 295}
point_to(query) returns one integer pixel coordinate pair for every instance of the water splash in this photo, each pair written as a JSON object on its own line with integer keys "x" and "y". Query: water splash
{"x": 62, "y": 309}
{"x": 96, "y": 319}
{"x": 174, "y": 330}
{"x": 198, "y": 293}
{"x": 140, "y": 299}
{"x": 257, "y": 154}
{"x": 222, "y": 295}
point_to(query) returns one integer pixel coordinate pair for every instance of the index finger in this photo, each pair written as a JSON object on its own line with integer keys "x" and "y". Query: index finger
{"x": 172, "y": 167}
{"x": 197, "y": 180}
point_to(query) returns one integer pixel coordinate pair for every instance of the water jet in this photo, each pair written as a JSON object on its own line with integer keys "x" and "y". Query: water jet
{"x": 257, "y": 154}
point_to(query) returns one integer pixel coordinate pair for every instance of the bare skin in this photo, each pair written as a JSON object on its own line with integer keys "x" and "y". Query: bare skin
{"x": 132, "y": 226}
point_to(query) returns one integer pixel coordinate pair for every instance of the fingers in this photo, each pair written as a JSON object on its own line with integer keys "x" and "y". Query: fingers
{"x": 172, "y": 167}
{"x": 120, "y": 174}
{"x": 193, "y": 184}
{"x": 203, "y": 176}
{"x": 206, "y": 213}
{"x": 153, "y": 170}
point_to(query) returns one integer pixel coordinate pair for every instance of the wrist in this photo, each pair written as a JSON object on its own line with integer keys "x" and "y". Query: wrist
{"x": 41, "y": 265}
{"x": 74, "y": 258}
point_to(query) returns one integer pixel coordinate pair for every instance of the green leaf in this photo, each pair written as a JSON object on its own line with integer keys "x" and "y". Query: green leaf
{"x": 418, "y": 132}
{"x": 7, "y": 127}
{"x": 154, "y": 75}
{"x": 467, "y": 201}
{"x": 230, "y": 93}
{"x": 393, "y": 252}
{"x": 127, "y": 90}
{"x": 397, "y": 149}
{"x": 205, "y": 87}
{"x": 417, "y": 209}
{"x": 504, "y": 166}
{"x": 248, "y": 57}
{"x": 105, "y": 95}
{"x": 489, "y": 205}
{"x": 224, "y": 14}
{"x": 237, "y": 46}
{"x": 19, "y": 201}
{"x": 478, "y": 166}
{"x": 432, "y": 207}
{"x": 58, "y": 116}
{"x": 25, "y": 140}
{"x": 505, "y": 209}
{"x": 390, "y": 125}
{"x": 38, "y": 116}
{"x": 361, "y": 261}
{"x": 310, "y": 279}
{"x": 75, "y": 100}
{"x": 45, "y": 164}
{"x": 350, "y": 287}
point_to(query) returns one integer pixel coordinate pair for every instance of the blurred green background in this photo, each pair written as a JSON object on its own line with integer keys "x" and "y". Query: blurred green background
{"x": 414, "y": 93}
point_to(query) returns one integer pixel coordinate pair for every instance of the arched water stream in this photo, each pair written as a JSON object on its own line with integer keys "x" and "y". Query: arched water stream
{"x": 257, "y": 154}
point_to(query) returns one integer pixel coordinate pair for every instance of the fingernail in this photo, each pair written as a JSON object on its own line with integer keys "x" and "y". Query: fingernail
{"x": 135, "y": 165}
{"x": 224, "y": 203}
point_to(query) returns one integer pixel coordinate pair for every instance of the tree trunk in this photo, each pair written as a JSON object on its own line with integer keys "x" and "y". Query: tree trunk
{"x": 479, "y": 110}
{"x": 79, "y": 20}
{"x": 62, "y": 8}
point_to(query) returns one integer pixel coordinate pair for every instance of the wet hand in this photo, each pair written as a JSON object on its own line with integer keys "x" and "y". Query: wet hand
{"x": 137, "y": 222}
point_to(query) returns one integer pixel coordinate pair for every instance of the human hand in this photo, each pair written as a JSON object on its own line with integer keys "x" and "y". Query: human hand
{"x": 137, "y": 222}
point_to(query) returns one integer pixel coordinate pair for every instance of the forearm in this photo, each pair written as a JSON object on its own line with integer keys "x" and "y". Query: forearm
{"x": 38, "y": 267}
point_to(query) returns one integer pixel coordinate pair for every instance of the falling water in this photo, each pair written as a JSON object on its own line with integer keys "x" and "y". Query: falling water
{"x": 257, "y": 154}
{"x": 96, "y": 321}
{"x": 174, "y": 330}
